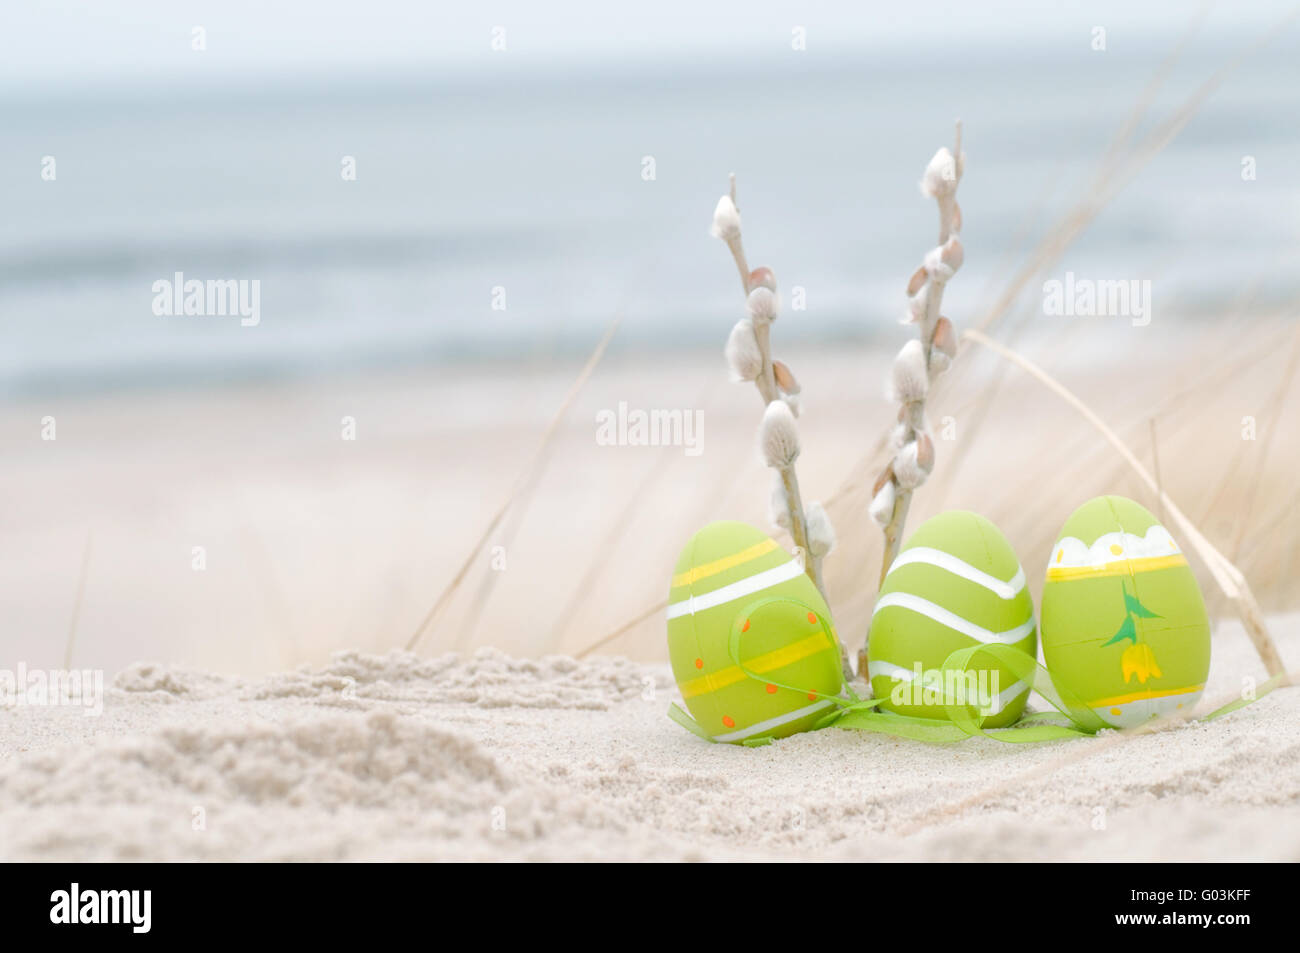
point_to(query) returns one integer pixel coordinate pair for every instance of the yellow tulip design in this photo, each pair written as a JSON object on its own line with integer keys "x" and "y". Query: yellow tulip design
{"x": 1139, "y": 660}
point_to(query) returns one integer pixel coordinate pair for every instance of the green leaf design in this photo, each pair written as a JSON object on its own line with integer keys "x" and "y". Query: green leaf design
{"x": 1127, "y": 630}
{"x": 1137, "y": 608}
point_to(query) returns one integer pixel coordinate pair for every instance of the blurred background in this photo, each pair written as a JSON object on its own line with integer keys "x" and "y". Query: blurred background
{"x": 525, "y": 175}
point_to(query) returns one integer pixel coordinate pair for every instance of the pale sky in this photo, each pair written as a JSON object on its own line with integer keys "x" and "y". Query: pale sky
{"x": 79, "y": 42}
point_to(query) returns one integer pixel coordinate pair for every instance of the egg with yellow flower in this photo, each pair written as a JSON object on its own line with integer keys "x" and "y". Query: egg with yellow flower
{"x": 1123, "y": 626}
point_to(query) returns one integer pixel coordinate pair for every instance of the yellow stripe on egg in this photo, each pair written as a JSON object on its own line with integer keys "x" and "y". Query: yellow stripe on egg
{"x": 768, "y": 662}
{"x": 722, "y": 565}
{"x": 1119, "y": 567}
{"x": 1145, "y": 694}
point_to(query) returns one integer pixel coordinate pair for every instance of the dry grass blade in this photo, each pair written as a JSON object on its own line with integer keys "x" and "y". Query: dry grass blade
{"x": 1228, "y": 577}
{"x": 624, "y": 628}
{"x": 1275, "y": 523}
{"x": 505, "y": 539}
{"x": 1276, "y": 403}
{"x": 76, "y": 604}
{"x": 1155, "y": 465}
{"x": 599, "y": 560}
{"x": 1148, "y": 95}
{"x": 524, "y": 479}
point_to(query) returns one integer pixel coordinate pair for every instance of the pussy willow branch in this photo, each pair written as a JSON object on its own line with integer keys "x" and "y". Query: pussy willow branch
{"x": 933, "y": 301}
{"x": 912, "y": 404}
{"x": 767, "y": 389}
{"x": 766, "y": 382}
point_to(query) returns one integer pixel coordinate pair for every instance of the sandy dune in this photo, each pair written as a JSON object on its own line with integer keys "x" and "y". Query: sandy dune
{"x": 493, "y": 757}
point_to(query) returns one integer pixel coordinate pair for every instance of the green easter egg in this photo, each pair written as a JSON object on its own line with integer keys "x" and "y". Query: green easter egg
{"x": 955, "y": 584}
{"x": 749, "y": 637}
{"x": 1124, "y": 625}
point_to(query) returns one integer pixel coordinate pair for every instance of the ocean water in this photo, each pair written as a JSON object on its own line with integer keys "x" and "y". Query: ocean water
{"x": 532, "y": 189}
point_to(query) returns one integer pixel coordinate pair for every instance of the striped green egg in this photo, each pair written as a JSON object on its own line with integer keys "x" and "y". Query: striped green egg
{"x": 955, "y": 584}
{"x": 749, "y": 637}
{"x": 1124, "y": 625}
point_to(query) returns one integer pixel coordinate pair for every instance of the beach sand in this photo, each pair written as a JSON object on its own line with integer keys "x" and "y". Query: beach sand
{"x": 497, "y": 758}
{"x": 278, "y": 717}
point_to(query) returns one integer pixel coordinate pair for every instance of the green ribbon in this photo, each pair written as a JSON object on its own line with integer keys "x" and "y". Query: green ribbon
{"x": 845, "y": 697}
{"x": 1072, "y": 717}
{"x": 965, "y": 720}
{"x": 686, "y": 721}
{"x": 738, "y": 628}
{"x": 1277, "y": 681}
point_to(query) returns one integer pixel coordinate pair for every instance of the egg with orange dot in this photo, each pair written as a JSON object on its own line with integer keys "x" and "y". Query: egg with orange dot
{"x": 750, "y": 639}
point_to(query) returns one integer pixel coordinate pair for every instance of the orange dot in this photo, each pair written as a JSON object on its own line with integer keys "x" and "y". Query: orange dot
{"x": 745, "y": 627}
{"x": 699, "y": 663}
{"x": 812, "y": 696}
{"x": 1115, "y": 711}
{"x": 812, "y": 617}
{"x": 729, "y": 721}
{"x": 1116, "y": 548}
{"x": 771, "y": 689}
